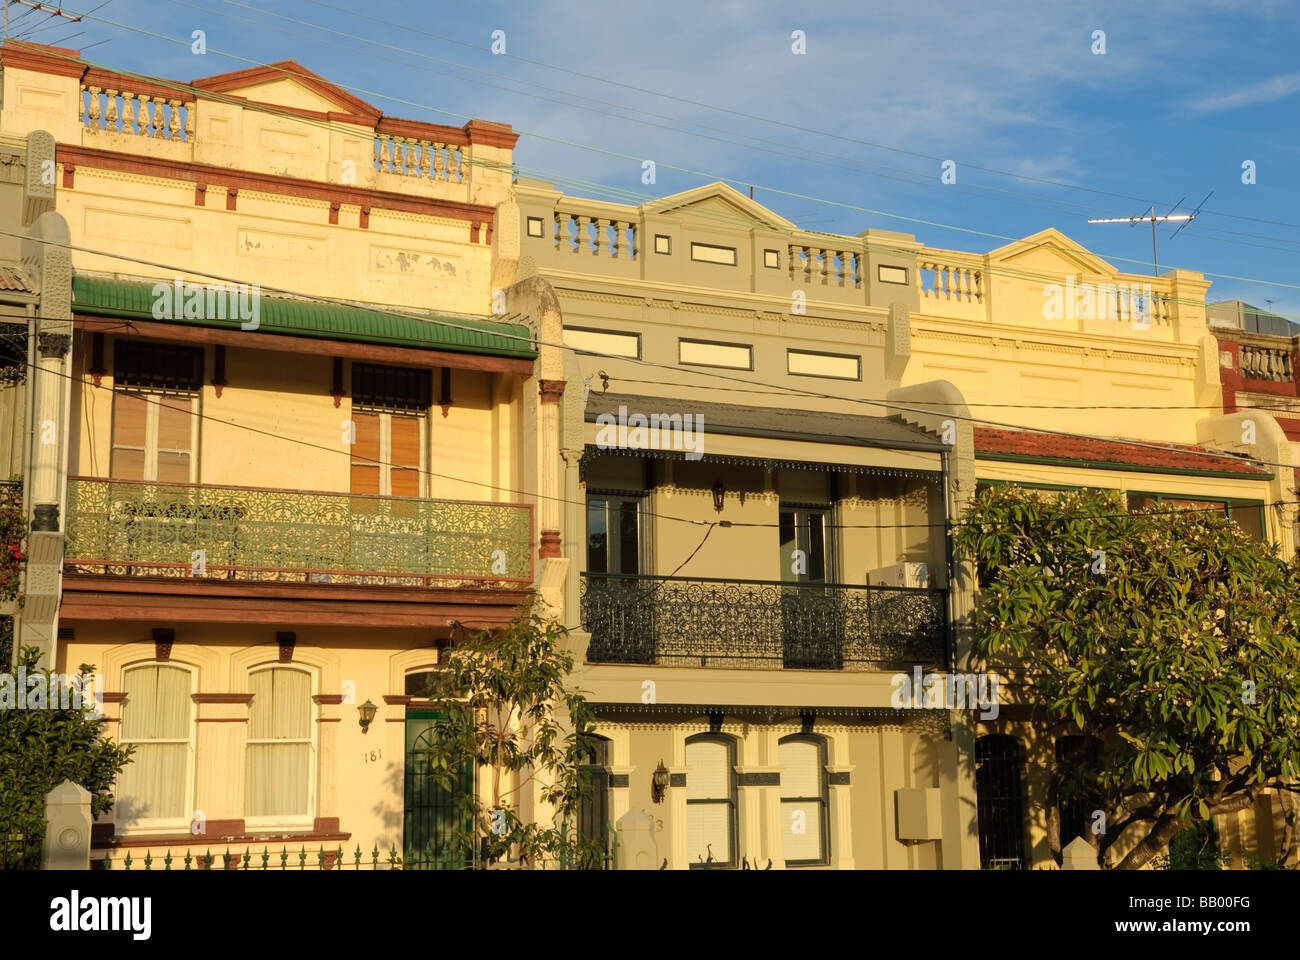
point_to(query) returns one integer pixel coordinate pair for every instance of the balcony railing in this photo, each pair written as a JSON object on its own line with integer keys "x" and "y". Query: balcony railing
{"x": 759, "y": 624}
{"x": 131, "y": 528}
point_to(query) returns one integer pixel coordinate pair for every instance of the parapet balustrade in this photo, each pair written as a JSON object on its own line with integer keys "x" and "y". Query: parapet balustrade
{"x": 424, "y": 159}
{"x": 1267, "y": 363}
{"x": 827, "y": 266}
{"x": 595, "y": 236}
{"x": 943, "y": 279}
{"x": 123, "y": 110}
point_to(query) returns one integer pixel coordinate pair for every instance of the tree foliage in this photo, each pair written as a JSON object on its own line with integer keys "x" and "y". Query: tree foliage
{"x": 39, "y": 749}
{"x": 1168, "y": 635}
{"x": 512, "y": 717}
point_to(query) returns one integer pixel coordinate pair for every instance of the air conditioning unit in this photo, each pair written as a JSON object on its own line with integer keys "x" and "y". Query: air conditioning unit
{"x": 900, "y": 575}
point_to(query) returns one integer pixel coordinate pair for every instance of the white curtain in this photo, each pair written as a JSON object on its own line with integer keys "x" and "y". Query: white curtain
{"x": 278, "y": 780}
{"x": 801, "y": 776}
{"x": 708, "y": 825}
{"x": 157, "y": 710}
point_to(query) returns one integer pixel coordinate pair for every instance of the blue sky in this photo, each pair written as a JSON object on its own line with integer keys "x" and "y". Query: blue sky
{"x": 1184, "y": 94}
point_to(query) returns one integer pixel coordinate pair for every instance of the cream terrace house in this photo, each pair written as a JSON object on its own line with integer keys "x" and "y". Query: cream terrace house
{"x": 276, "y": 512}
{"x": 749, "y": 605}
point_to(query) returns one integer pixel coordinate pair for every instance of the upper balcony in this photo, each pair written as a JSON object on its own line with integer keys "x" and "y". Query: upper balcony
{"x": 205, "y": 532}
{"x": 766, "y": 625}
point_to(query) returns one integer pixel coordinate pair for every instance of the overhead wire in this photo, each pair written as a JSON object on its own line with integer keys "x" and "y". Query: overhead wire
{"x": 602, "y": 150}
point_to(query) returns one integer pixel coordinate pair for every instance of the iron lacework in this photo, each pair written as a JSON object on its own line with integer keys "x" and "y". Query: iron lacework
{"x": 758, "y": 624}
{"x": 131, "y": 528}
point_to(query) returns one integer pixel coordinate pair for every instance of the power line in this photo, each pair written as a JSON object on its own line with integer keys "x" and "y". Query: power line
{"x": 612, "y": 153}
{"x": 408, "y": 28}
{"x": 800, "y": 391}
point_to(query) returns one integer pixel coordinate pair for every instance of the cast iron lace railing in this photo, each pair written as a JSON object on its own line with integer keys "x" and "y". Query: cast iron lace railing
{"x": 693, "y": 621}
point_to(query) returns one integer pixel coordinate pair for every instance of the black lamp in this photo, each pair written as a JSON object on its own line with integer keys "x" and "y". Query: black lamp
{"x": 659, "y": 783}
{"x": 367, "y": 711}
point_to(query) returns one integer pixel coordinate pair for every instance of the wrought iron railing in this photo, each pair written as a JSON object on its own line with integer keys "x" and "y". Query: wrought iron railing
{"x": 131, "y": 528}
{"x": 760, "y": 624}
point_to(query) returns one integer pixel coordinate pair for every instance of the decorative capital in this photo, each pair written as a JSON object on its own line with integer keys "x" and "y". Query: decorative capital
{"x": 551, "y": 390}
{"x": 54, "y": 344}
{"x": 45, "y": 517}
{"x": 550, "y": 544}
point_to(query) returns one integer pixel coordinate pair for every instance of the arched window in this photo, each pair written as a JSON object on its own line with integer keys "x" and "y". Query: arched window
{"x": 999, "y": 804}
{"x": 711, "y": 801}
{"x": 805, "y": 794}
{"x": 156, "y": 788}
{"x": 280, "y": 779}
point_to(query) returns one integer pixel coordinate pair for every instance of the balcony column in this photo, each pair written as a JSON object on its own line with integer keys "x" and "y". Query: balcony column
{"x": 47, "y": 427}
{"x": 551, "y": 393}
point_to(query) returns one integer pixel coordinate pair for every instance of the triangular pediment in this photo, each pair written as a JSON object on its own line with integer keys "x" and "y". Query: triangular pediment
{"x": 715, "y": 201}
{"x": 288, "y": 84}
{"x": 1052, "y": 251}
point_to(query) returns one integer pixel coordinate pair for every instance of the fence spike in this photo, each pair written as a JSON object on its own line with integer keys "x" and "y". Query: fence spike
{"x": 302, "y": 858}
{"x": 265, "y": 857}
{"x": 247, "y": 858}
{"x": 148, "y": 859}
{"x": 127, "y": 862}
{"x": 284, "y": 857}
{"x": 167, "y": 860}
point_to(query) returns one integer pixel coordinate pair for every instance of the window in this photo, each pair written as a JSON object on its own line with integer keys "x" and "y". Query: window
{"x": 429, "y": 684}
{"x": 534, "y": 226}
{"x": 281, "y": 746}
{"x": 711, "y": 801}
{"x": 805, "y": 790}
{"x": 154, "y": 789}
{"x": 888, "y": 274}
{"x": 999, "y": 804}
{"x": 809, "y": 363}
{"x": 712, "y": 253}
{"x": 771, "y": 259}
{"x": 805, "y": 547}
{"x": 613, "y": 534}
{"x": 388, "y": 409}
{"x": 1247, "y": 514}
{"x": 663, "y": 244}
{"x": 154, "y": 435}
{"x": 707, "y": 353}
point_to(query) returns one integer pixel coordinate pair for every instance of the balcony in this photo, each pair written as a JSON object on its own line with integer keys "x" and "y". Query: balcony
{"x": 198, "y": 531}
{"x": 758, "y": 624}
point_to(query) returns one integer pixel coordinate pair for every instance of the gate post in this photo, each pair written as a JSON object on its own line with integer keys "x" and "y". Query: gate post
{"x": 67, "y": 828}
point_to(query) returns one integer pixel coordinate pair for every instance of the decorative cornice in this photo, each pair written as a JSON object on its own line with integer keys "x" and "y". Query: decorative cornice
{"x": 272, "y": 184}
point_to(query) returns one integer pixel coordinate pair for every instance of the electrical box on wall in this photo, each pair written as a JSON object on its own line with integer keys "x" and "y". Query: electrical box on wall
{"x": 919, "y": 812}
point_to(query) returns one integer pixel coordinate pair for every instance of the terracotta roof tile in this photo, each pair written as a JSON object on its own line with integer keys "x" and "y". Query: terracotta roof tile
{"x": 1064, "y": 447}
{"x": 13, "y": 278}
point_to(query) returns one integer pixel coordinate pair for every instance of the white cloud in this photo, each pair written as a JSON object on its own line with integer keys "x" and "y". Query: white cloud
{"x": 1279, "y": 88}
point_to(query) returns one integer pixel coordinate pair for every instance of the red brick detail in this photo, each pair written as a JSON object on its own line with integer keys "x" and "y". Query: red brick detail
{"x": 200, "y": 194}
{"x": 550, "y": 545}
{"x": 365, "y": 218}
{"x": 69, "y": 175}
{"x": 1065, "y": 447}
{"x": 334, "y": 211}
{"x": 232, "y": 195}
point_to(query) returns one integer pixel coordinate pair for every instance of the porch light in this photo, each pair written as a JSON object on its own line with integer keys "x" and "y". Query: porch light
{"x": 367, "y": 711}
{"x": 719, "y": 494}
{"x": 659, "y": 783}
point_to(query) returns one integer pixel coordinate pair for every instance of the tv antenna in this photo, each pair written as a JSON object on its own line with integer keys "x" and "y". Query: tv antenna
{"x": 1153, "y": 218}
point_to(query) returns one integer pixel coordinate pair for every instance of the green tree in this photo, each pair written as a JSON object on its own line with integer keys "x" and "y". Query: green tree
{"x": 39, "y": 749}
{"x": 512, "y": 717}
{"x": 1169, "y": 636}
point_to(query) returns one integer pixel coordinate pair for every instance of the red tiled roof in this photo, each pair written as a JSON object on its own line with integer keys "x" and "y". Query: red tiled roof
{"x": 991, "y": 443}
{"x": 13, "y": 278}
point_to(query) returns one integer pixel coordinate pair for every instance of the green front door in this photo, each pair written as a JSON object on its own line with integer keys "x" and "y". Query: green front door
{"x": 432, "y": 813}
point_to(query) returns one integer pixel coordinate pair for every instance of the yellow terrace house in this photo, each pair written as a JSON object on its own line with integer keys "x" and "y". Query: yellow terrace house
{"x": 296, "y": 443}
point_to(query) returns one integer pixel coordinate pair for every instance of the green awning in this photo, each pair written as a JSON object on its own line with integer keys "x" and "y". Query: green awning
{"x": 137, "y": 300}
